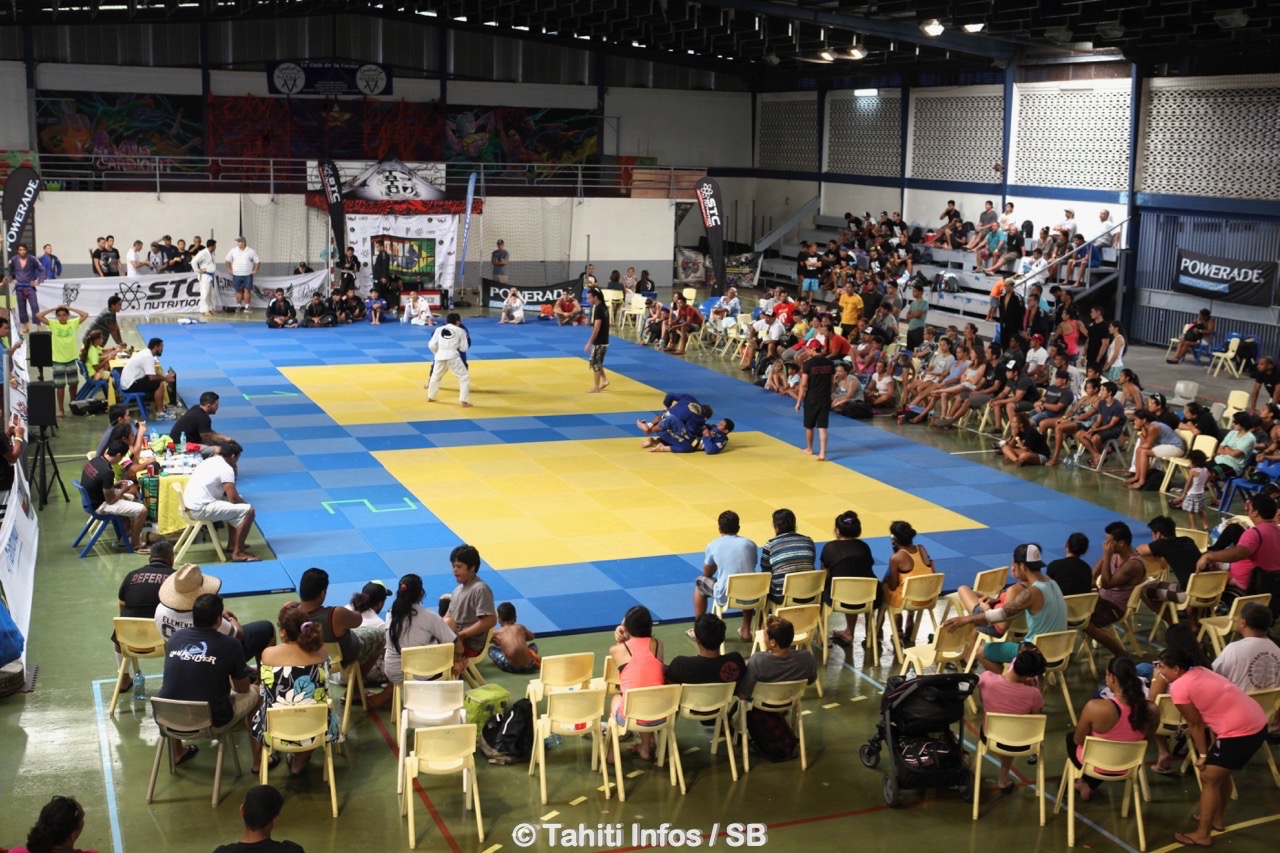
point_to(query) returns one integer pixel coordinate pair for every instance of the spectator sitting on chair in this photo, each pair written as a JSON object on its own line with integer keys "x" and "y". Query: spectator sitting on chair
{"x": 1117, "y": 572}
{"x": 708, "y": 666}
{"x": 197, "y": 425}
{"x": 109, "y": 497}
{"x": 1072, "y": 574}
{"x": 201, "y": 663}
{"x": 139, "y": 594}
{"x": 141, "y": 375}
{"x": 211, "y": 495}
{"x": 1253, "y": 661}
{"x": 1199, "y": 333}
{"x": 470, "y": 611}
{"x": 1181, "y": 553}
{"x": 97, "y": 360}
{"x": 726, "y": 555}
{"x": 1108, "y": 425}
{"x": 988, "y": 221}
{"x": 1084, "y": 257}
{"x": 1014, "y": 691}
{"x": 1257, "y": 548}
{"x": 260, "y": 813}
{"x": 178, "y": 594}
{"x": 124, "y": 428}
{"x": 778, "y": 662}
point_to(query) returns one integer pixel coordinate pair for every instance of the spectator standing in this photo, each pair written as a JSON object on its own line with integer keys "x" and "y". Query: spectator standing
{"x": 135, "y": 262}
{"x": 499, "y": 258}
{"x": 50, "y": 263}
{"x": 242, "y": 264}
{"x": 27, "y": 274}
{"x": 205, "y": 267}
{"x": 917, "y": 311}
{"x": 62, "y": 330}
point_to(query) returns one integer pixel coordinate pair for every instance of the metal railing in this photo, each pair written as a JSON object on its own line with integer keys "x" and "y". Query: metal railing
{"x": 276, "y": 175}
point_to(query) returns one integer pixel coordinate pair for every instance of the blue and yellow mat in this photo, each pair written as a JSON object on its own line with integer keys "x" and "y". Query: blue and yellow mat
{"x": 351, "y": 470}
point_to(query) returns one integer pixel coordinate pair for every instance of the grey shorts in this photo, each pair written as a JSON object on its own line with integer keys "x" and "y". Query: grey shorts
{"x": 65, "y": 373}
{"x": 706, "y": 586}
{"x": 596, "y": 361}
{"x": 1167, "y": 591}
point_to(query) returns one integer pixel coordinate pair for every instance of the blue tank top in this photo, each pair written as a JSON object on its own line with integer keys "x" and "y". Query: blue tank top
{"x": 1052, "y": 616}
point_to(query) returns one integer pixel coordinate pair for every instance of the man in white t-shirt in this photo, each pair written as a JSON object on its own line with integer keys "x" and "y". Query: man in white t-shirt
{"x": 1068, "y": 226}
{"x": 178, "y": 596}
{"x": 141, "y": 374}
{"x": 211, "y": 495}
{"x": 1253, "y": 661}
{"x": 242, "y": 263}
{"x": 135, "y": 261}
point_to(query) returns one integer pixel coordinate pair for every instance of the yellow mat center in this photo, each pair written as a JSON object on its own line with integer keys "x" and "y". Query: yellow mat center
{"x": 517, "y": 387}
{"x": 548, "y": 503}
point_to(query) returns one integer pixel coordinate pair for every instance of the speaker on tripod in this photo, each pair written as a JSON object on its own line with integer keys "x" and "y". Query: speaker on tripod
{"x": 42, "y": 407}
{"x": 40, "y": 349}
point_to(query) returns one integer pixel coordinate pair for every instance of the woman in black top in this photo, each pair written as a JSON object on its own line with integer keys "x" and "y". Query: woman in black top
{"x": 1027, "y": 446}
{"x": 847, "y": 556}
{"x": 1201, "y": 421}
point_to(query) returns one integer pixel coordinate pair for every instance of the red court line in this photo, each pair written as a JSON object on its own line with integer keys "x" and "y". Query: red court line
{"x": 422, "y": 794}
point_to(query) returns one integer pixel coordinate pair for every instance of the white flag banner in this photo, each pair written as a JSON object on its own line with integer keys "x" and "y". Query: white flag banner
{"x": 19, "y": 541}
{"x": 423, "y": 248}
{"x": 172, "y": 294}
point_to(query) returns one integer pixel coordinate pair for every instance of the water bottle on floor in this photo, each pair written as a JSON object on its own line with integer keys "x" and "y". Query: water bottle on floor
{"x": 139, "y": 686}
{"x": 552, "y": 741}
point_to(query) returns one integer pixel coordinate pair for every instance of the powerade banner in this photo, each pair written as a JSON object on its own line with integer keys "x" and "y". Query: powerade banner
{"x": 709, "y": 198}
{"x": 328, "y": 77}
{"x": 20, "y": 193}
{"x": 494, "y": 294}
{"x": 1226, "y": 279}
{"x": 331, "y": 186}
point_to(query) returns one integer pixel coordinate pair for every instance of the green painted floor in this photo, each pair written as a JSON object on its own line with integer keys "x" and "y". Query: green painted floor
{"x": 57, "y": 741}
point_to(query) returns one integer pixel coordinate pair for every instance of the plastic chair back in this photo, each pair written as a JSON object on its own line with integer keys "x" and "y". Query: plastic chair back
{"x": 427, "y": 662}
{"x": 442, "y": 750}
{"x": 1170, "y": 716}
{"x": 1206, "y": 443}
{"x": 990, "y": 582}
{"x": 433, "y": 700}
{"x": 139, "y": 637}
{"x": 1205, "y": 589}
{"x": 1269, "y": 699}
{"x": 950, "y": 642}
{"x": 779, "y": 696}
{"x": 1013, "y": 730}
{"x": 803, "y": 587}
{"x": 920, "y": 592}
{"x": 84, "y": 499}
{"x": 747, "y": 590}
{"x": 1200, "y": 537}
{"x": 567, "y": 672}
{"x": 1109, "y": 758}
{"x": 651, "y": 703}
{"x": 702, "y": 701}
{"x": 1056, "y": 647}
{"x": 576, "y": 712}
{"x": 182, "y": 720}
{"x": 1080, "y": 608}
{"x": 804, "y": 618}
{"x": 853, "y": 594}
{"x": 288, "y": 725}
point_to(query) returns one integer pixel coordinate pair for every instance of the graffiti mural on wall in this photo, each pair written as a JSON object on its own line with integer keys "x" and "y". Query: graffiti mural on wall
{"x": 523, "y": 140}
{"x": 117, "y": 131}
{"x": 336, "y": 128}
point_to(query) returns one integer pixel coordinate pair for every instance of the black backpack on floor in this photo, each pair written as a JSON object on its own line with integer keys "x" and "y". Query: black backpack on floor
{"x": 508, "y": 737}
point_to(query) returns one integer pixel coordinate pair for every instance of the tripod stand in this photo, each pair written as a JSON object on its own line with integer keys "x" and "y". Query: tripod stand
{"x": 43, "y": 459}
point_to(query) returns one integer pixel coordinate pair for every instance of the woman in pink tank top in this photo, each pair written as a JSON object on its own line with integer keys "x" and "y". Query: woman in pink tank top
{"x": 639, "y": 659}
{"x": 1129, "y": 717}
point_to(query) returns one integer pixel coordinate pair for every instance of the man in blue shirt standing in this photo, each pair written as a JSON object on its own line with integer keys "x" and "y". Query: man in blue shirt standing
{"x": 50, "y": 264}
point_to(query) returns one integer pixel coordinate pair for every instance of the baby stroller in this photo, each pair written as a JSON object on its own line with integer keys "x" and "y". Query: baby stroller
{"x": 916, "y": 719}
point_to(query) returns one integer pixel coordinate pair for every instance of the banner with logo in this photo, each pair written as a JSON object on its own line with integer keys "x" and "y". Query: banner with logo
{"x": 19, "y": 540}
{"x": 331, "y": 186}
{"x": 493, "y": 294}
{"x": 328, "y": 77}
{"x": 388, "y": 187}
{"x": 739, "y": 270}
{"x": 423, "y": 248}
{"x": 1226, "y": 279}
{"x": 709, "y": 198}
{"x": 20, "y": 193}
{"x": 177, "y": 294}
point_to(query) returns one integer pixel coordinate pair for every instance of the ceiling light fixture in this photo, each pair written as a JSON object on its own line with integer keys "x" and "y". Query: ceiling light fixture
{"x": 866, "y": 93}
{"x": 828, "y": 56}
{"x": 973, "y": 28}
{"x": 932, "y": 27}
{"x": 1231, "y": 19}
{"x": 857, "y": 51}
{"x": 771, "y": 58}
{"x": 1058, "y": 35}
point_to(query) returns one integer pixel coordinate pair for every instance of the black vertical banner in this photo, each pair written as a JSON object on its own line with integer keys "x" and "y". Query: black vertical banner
{"x": 331, "y": 184}
{"x": 20, "y": 193}
{"x": 709, "y": 201}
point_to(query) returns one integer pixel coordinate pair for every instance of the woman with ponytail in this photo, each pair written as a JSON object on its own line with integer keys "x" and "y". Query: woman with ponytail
{"x": 410, "y": 625}
{"x": 60, "y": 824}
{"x": 293, "y": 673}
{"x": 1127, "y": 716}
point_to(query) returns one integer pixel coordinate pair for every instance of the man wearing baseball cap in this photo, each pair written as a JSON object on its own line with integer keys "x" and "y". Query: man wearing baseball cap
{"x": 178, "y": 596}
{"x": 1033, "y": 593}
{"x": 242, "y": 263}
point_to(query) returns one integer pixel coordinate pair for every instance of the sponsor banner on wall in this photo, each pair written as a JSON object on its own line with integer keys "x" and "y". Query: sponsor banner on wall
{"x": 1226, "y": 279}
{"x": 493, "y": 293}
{"x": 177, "y": 294}
{"x": 423, "y": 248}
{"x": 328, "y": 77}
{"x": 20, "y": 192}
{"x": 740, "y": 271}
{"x": 19, "y": 540}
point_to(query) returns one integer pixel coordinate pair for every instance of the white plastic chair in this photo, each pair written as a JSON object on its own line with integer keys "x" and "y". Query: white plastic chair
{"x": 422, "y": 663}
{"x": 427, "y": 703}
{"x": 442, "y": 751}
{"x": 190, "y": 721}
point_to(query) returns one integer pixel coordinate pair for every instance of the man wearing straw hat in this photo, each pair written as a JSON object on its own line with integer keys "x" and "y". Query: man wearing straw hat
{"x": 178, "y": 596}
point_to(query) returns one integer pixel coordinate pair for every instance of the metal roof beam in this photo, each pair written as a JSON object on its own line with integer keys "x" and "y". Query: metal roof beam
{"x": 975, "y": 45}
